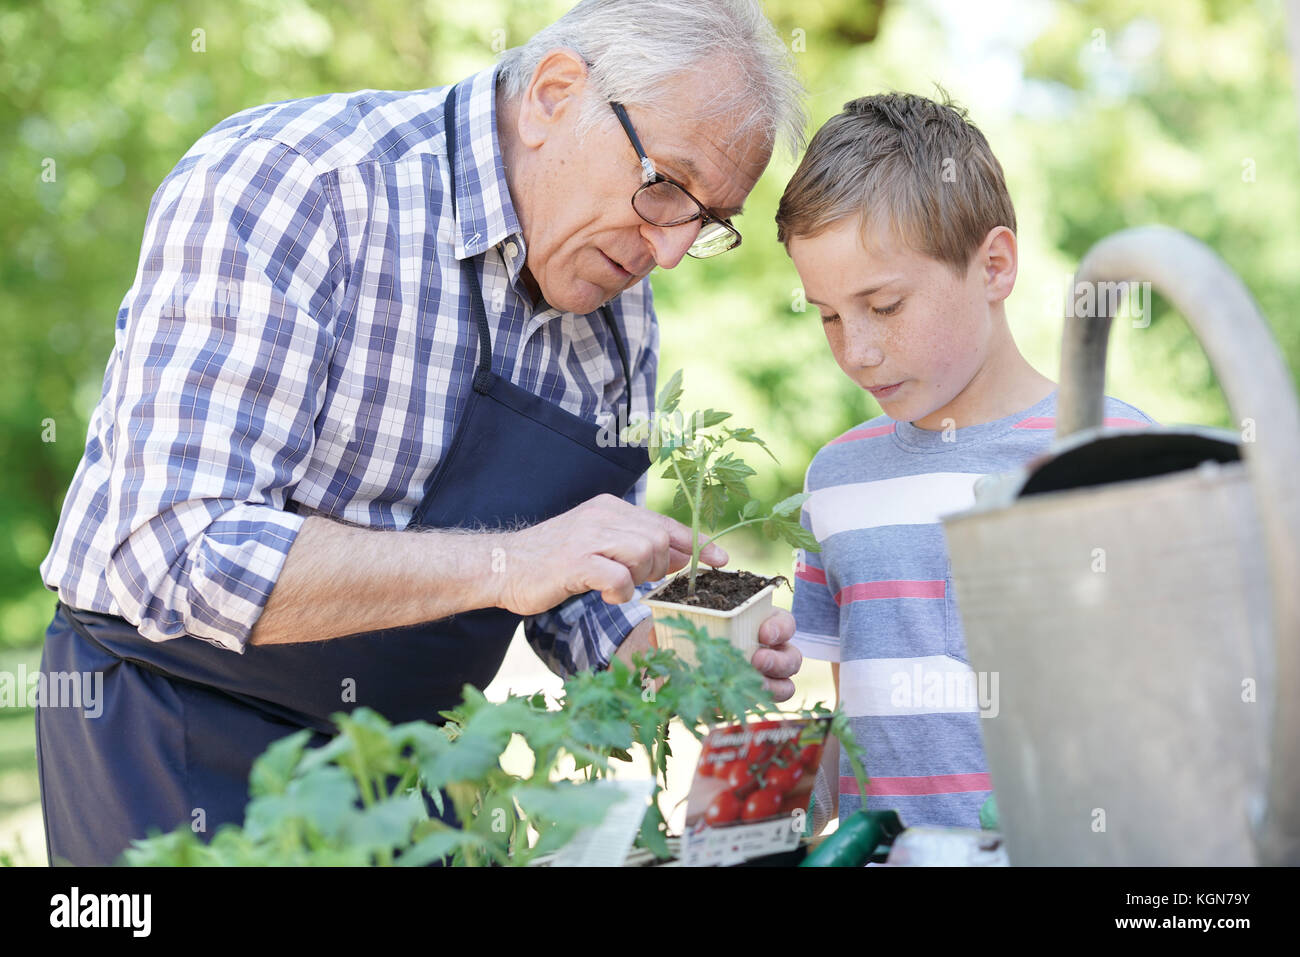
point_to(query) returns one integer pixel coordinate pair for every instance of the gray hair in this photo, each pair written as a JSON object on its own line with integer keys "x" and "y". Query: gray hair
{"x": 632, "y": 47}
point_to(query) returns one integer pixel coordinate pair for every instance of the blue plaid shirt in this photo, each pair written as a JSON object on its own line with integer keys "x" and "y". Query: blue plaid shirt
{"x": 297, "y": 329}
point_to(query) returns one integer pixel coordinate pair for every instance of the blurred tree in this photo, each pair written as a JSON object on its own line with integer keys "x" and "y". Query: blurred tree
{"x": 100, "y": 101}
{"x": 1183, "y": 114}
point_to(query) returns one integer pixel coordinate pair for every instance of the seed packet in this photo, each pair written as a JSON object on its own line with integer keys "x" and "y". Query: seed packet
{"x": 751, "y": 790}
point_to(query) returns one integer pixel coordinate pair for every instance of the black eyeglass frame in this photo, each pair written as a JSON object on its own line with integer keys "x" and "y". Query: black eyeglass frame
{"x": 654, "y": 177}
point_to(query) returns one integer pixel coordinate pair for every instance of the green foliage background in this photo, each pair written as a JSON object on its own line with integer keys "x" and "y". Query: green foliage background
{"x": 1103, "y": 118}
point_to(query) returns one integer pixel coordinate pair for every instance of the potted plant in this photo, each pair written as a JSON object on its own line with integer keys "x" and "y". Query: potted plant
{"x": 709, "y": 478}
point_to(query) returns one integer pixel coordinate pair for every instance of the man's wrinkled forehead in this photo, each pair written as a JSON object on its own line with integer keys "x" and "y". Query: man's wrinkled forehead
{"x": 708, "y": 149}
{"x": 716, "y": 165}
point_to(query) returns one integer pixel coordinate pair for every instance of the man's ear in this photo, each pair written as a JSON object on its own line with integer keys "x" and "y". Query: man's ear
{"x": 553, "y": 97}
{"x": 998, "y": 262}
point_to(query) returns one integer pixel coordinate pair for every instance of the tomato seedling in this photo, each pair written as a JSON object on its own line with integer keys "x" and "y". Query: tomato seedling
{"x": 708, "y": 480}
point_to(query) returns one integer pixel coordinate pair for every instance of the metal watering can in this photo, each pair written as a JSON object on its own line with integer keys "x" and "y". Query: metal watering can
{"x": 1138, "y": 595}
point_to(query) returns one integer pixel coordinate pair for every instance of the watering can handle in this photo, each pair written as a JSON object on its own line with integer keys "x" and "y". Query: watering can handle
{"x": 1258, "y": 386}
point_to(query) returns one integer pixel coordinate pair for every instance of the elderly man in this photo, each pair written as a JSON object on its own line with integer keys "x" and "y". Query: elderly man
{"x": 356, "y": 394}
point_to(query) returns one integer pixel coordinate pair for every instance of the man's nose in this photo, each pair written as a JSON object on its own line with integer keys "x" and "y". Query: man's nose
{"x": 670, "y": 243}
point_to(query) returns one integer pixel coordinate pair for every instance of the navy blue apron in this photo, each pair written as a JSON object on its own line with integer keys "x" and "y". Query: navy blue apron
{"x": 183, "y": 720}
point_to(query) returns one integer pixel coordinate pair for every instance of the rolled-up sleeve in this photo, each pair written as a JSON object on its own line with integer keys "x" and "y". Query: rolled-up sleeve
{"x": 585, "y": 631}
{"x": 224, "y": 358}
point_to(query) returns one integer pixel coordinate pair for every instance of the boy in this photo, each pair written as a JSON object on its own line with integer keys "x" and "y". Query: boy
{"x": 901, "y": 228}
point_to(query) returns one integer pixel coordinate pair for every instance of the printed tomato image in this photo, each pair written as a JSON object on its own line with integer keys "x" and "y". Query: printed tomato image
{"x": 798, "y": 801}
{"x": 810, "y": 755}
{"x": 750, "y": 784}
{"x": 757, "y": 753}
{"x": 740, "y": 778}
{"x": 723, "y": 809}
{"x": 784, "y": 778}
{"x": 763, "y": 804}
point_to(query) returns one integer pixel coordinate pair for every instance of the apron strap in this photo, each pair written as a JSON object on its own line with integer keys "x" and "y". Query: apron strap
{"x": 483, "y": 376}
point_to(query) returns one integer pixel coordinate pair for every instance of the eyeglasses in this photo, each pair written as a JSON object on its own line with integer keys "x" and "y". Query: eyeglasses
{"x": 661, "y": 201}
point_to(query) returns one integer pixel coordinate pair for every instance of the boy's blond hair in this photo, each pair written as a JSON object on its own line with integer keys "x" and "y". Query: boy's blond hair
{"x": 916, "y": 166}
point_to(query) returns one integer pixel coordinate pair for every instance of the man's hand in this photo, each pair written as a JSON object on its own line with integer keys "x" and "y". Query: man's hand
{"x": 778, "y": 660}
{"x": 605, "y": 544}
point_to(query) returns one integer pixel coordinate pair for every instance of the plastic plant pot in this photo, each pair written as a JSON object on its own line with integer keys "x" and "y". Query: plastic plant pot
{"x": 739, "y": 626}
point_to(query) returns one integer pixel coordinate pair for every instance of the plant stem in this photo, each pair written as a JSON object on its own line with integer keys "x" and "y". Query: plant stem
{"x": 748, "y": 521}
{"x": 695, "y": 526}
{"x": 700, "y": 468}
{"x": 363, "y": 782}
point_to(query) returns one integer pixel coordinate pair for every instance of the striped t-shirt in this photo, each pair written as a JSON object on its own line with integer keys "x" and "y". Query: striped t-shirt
{"x": 878, "y": 599}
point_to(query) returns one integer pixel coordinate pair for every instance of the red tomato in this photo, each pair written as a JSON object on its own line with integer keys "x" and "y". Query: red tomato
{"x": 723, "y": 809}
{"x": 757, "y": 753}
{"x": 784, "y": 779}
{"x": 707, "y": 768}
{"x": 739, "y": 777}
{"x": 762, "y": 804}
{"x": 810, "y": 755}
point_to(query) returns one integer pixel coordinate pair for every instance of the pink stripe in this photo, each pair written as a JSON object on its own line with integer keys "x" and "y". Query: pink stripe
{"x": 934, "y": 784}
{"x": 868, "y": 591}
{"x": 870, "y": 433}
{"x": 1041, "y": 422}
{"x": 810, "y": 574}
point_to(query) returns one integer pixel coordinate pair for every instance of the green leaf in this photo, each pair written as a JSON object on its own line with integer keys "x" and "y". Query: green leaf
{"x": 652, "y": 833}
{"x": 747, "y": 435}
{"x": 180, "y": 848}
{"x": 732, "y": 472}
{"x": 708, "y": 418}
{"x": 791, "y": 532}
{"x": 478, "y": 747}
{"x": 274, "y": 768}
{"x": 374, "y": 753}
{"x": 323, "y": 798}
{"x": 620, "y": 670}
{"x": 667, "y": 445}
{"x": 791, "y": 505}
{"x": 669, "y": 395}
{"x": 566, "y": 803}
{"x": 437, "y": 846}
{"x": 385, "y": 825}
{"x": 687, "y": 466}
{"x": 713, "y": 504}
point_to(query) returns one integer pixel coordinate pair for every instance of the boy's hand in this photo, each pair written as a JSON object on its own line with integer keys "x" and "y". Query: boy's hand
{"x": 778, "y": 660}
